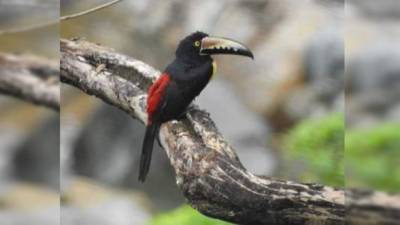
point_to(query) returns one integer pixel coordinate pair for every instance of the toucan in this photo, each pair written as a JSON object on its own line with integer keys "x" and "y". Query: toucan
{"x": 181, "y": 82}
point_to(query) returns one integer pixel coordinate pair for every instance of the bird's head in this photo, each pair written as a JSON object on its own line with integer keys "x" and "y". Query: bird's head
{"x": 200, "y": 46}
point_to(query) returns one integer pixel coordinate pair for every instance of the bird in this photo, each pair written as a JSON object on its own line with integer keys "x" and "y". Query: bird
{"x": 181, "y": 82}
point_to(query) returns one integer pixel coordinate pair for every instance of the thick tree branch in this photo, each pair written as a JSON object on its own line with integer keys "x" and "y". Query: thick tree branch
{"x": 30, "y": 78}
{"x": 207, "y": 169}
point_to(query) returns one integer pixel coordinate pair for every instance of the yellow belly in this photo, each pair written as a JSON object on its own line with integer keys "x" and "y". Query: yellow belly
{"x": 214, "y": 69}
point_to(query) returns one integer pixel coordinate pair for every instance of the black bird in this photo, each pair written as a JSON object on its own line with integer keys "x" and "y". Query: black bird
{"x": 181, "y": 82}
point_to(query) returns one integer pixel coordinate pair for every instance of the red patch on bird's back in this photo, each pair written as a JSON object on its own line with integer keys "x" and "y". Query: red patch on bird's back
{"x": 155, "y": 93}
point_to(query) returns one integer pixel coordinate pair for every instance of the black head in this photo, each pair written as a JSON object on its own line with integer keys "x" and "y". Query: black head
{"x": 189, "y": 48}
{"x": 198, "y": 47}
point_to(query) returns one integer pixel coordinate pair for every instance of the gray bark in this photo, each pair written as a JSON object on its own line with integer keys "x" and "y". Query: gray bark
{"x": 30, "y": 78}
{"x": 208, "y": 171}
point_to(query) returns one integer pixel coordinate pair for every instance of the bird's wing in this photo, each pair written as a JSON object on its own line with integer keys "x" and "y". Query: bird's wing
{"x": 155, "y": 94}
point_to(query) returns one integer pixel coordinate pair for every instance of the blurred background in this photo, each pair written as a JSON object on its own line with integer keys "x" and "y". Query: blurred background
{"x": 29, "y": 134}
{"x": 282, "y": 112}
{"x": 288, "y": 105}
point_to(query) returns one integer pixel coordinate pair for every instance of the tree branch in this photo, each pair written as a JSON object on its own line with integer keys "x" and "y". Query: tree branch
{"x": 54, "y": 22}
{"x": 30, "y": 78}
{"x": 105, "y": 5}
{"x": 208, "y": 172}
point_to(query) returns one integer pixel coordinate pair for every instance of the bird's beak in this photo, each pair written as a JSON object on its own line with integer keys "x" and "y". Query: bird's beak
{"x": 218, "y": 45}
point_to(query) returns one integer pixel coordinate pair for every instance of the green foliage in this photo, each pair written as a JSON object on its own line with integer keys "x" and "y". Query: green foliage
{"x": 185, "y": 215}
{"x": 373, "y": 157}
{"x": 319, "y": 145}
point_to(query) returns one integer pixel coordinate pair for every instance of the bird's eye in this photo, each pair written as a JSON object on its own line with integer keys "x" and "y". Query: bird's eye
{"x": 197, "y": 43}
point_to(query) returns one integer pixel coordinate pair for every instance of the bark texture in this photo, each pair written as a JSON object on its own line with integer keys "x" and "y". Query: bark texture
{"x": 30, "y": 78}
{"x": 208, "y": 171}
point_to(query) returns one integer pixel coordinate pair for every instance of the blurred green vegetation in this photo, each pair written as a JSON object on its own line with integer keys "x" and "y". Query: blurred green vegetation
{"x": 373, "y": 157}
{"x": 318, "y": 146}
{"x": 314, "y": 153}
{"x": 185, "y": 215}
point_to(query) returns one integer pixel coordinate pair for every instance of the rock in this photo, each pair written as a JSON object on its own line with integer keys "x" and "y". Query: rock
{"x": 25, "y": 203}
{"x": 9, "y": 139}
{"x": 323, "y": 77}
{"x": 324, "y": 63}
{"x": 372, "y": 66}
{"x": 243, "y": 129}
{"x": 87, "y": 202}
{"x": 48, "y": 216}
{"x": 103, "y": 148}
{"x": 374, "y": 84}
{"x": 376, "y": 67}
{"x": 108, "y": 150}
{"x": 37, "y": 159}
{"x": 384, "y": 9}
{"x": 27, "y": 196}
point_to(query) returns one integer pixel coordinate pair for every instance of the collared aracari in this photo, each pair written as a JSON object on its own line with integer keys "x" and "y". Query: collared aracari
{"x": 181, "y": 82}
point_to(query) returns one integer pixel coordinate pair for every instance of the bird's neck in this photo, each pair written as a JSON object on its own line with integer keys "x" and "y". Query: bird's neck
{"x": 194, "y": 61}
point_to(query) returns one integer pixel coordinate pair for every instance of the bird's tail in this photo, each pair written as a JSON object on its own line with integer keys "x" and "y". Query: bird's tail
{"x": 147, "y": 150}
